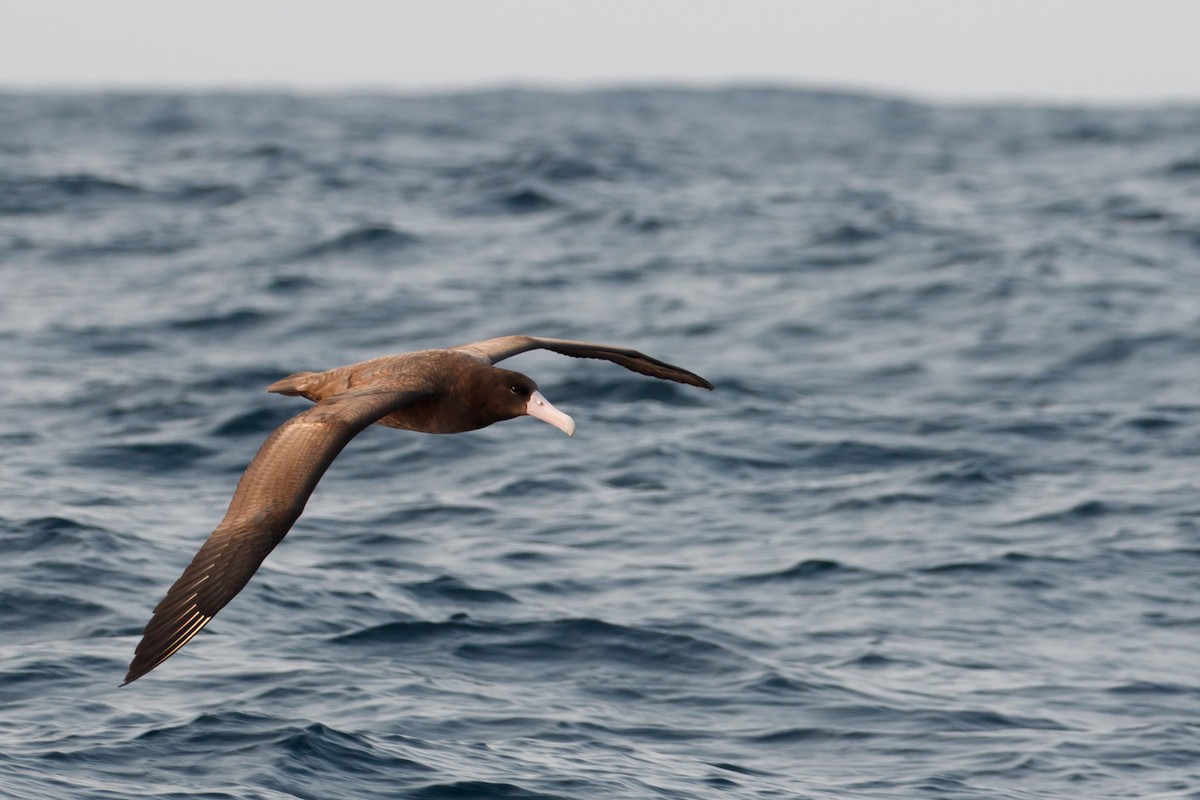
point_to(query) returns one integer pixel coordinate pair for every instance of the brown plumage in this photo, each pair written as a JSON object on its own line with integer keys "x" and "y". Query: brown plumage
{"x": 432, "y": 391}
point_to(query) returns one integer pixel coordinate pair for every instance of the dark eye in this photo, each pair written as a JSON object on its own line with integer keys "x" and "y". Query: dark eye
{"x": 514, "y": 390}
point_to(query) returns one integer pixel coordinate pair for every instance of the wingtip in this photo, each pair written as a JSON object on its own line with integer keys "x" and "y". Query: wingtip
{"x": 136, "y": 671}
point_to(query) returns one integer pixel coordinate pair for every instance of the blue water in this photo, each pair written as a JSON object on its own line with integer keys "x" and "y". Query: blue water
{"x": 935, "y": 534}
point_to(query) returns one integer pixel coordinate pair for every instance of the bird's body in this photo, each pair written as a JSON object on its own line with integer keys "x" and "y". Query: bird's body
{"x": 431, "y": 391}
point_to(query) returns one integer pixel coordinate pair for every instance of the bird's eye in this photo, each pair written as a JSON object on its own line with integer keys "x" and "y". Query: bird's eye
{"x": 514, "y": 389}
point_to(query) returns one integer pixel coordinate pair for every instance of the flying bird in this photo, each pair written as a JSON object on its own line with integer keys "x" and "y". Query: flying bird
{"x": 433, "y": 391}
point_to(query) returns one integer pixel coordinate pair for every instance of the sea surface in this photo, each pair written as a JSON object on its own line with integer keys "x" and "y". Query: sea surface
{"x": 936, "y": 534}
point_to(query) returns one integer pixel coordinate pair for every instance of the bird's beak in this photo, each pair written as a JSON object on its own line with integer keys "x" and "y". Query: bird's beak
{"x": 540, "y": 407}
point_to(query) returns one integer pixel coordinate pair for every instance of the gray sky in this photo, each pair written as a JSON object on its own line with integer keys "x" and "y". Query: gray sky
{"x": 1058, "y": 50}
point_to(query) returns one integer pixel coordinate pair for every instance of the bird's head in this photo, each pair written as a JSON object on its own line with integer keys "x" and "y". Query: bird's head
{"x": 511, "y": 394}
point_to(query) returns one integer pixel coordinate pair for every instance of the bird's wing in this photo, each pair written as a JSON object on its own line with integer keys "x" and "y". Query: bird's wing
{"x": 268, "y": 499}
{"x": 493, "y": 350}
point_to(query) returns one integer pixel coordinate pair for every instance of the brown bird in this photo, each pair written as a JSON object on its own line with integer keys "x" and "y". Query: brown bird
{"x": 432, "y": 391}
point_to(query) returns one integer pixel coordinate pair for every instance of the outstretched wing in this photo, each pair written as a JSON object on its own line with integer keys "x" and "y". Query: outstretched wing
{"x": 268, "y": 500}
{"x": 493, "y": 350}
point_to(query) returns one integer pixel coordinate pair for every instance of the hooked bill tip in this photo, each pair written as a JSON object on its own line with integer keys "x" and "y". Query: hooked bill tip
{"x": 538, "y": 406}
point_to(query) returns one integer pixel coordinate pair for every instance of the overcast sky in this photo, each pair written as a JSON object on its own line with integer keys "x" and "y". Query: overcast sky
{"x": 1058, "y": 50}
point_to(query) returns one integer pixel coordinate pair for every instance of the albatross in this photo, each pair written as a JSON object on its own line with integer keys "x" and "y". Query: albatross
{"x": 432, "y": 391}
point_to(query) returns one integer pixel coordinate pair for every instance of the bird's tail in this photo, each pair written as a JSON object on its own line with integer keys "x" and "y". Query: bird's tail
{"x": 294, "y": 384}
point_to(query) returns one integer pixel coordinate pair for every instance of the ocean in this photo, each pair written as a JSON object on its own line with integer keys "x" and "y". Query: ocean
{"x": 936, "y": 533}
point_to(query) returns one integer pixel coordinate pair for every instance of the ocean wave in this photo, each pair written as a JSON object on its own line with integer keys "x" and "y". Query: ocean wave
{"x": 586, "y": 642}
{"x": 144, "y": 457}
{"x": 233, "y": 320}
{"x": 468, "y": 790}
{"x": 43, "y": 194}
{"x": 52, "y": 533}
{"x": 453, "y": 590}
{"x": 363, "y": 240}
{"x": 807, "y": 570}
